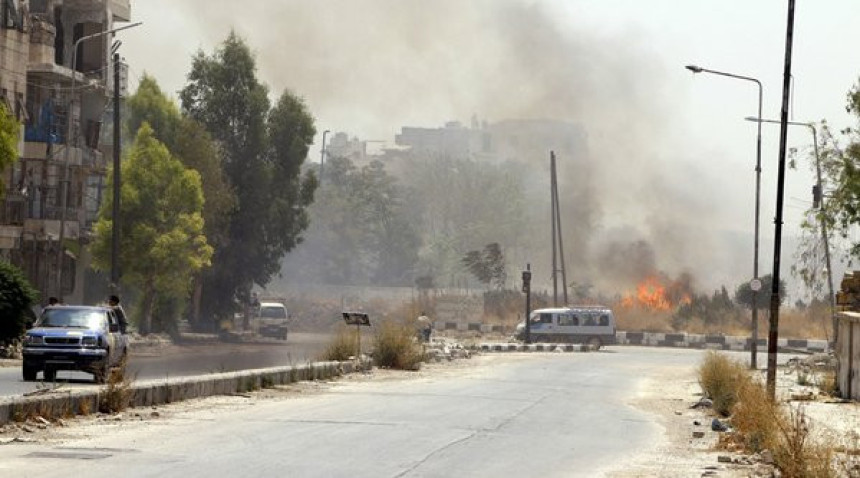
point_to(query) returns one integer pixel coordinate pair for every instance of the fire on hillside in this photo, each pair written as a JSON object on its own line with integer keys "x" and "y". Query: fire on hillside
{"x": 658, "y": 294}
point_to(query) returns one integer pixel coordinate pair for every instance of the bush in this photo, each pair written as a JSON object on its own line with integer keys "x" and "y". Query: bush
{"x": 395, "y": 347}
{"x": 720, "y": 379}
{"x": 116, "y": 395}
{"x": 16, "y": 298}
{"x": 796, "y": 454}
{"x": 343, "y": 346}
{"x": 755, "y": 417}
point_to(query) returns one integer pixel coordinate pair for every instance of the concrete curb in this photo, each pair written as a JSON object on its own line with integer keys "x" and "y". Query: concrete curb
{"x": 717, "y": 342}
{"x": 517, "y": 347}
{"x": 157, "y": 392}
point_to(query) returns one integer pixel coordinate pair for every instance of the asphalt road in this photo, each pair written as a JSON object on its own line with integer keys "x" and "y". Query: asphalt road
{"x": 519, "y": 415}
{"x": 180, "y": 361}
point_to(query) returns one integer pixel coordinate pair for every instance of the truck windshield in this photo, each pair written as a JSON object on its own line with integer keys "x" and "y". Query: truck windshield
{"x": 273, "y": 312}
{"x": 77, "y": 318}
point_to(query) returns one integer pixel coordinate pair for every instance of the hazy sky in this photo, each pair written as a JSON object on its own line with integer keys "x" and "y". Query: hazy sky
{"x": 679, "y": 156}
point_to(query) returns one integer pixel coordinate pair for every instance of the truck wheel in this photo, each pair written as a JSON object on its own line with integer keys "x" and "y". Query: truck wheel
{"x": 29, "y": 373}
{"x": 595, "y": 343}
{"x": 102, "y": 372}
{"x": 50, "y": 374}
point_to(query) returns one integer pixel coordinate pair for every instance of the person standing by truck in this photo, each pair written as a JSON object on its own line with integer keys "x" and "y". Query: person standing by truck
{"x": 113, "y": 301}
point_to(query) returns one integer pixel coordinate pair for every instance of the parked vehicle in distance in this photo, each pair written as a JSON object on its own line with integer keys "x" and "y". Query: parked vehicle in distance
{"x": 271, "y": 320}
{"x": 586, "y": 324}
{"x": 74, "y": 337}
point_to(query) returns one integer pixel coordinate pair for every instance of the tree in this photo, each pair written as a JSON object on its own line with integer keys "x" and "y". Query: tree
{"x": 744, "y": 293}
{"x": 10, "y": 131}
{"x": 488, "y": 266}
{"x": 362, "y": 232}
{"x": 263, "y": 153}
{"x": 16, "y": 298}
{"x": 162, "y": 242}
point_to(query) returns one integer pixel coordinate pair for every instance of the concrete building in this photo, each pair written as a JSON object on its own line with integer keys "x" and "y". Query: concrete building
{"x": 65, "y": 140}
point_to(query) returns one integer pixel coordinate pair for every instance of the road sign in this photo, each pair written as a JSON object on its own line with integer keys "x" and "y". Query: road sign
{"x": 755, "y": 285}
{"x": 356, "y": 318}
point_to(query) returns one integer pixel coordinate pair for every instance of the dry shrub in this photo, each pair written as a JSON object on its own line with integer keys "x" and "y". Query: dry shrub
{"x": 803, "y": 324}
{"x": 755, "y": 417}
{"x": 720, "y": 379}
{"x": 116, "y": 395}
{"x": 343, "y": 345}
{"x": 796, "y": 454}
{"x": 395, "y": 346}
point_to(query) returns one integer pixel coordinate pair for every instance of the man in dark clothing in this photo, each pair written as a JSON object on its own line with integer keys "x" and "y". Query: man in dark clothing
{"x": 113, "y": 301}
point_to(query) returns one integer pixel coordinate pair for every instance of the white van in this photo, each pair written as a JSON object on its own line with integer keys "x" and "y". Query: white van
{"x": 271, "y": 320}
{"x": 586, "y": 324}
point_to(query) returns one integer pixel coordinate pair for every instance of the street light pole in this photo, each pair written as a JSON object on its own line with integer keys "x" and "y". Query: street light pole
{"x": 822, "y": 221}
{"x": 65, "y": 193}
{"x": 754, "y": 341}
{"x": 322, "y": 154}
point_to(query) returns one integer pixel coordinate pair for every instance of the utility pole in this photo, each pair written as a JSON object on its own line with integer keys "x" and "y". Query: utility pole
{"x": 527, "y": 280}
{"x": 117, "y": 149}
{"x": 773, "y": 335}
{"x": 557, "y": 232}
{"x": 553, "y": 208}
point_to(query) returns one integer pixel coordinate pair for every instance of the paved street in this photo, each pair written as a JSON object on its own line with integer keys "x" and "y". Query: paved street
{"x": 517, "y": 415}
{"x": 179, "y": 361}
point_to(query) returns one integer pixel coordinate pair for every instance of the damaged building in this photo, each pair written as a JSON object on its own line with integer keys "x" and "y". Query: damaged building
{"x": 62, "y": 96}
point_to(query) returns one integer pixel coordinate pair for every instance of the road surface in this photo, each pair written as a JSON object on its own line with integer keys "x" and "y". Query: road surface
{"x": 180, "y": 361}
{"x": 513, "y": 416}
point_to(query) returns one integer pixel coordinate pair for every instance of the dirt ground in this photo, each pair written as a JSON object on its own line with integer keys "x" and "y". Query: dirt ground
{"x": 689, "y": 448}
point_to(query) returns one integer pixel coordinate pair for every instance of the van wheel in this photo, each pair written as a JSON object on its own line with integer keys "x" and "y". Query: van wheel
{"x": 102, "y": 372}
{"x": 595, "y": 343}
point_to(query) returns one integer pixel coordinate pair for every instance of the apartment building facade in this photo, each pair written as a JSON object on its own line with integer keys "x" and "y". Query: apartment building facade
{"x": 62, "y": 97}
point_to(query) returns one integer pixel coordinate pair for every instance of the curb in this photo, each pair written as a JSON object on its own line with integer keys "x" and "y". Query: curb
{"x": 516, "y": 347}
{"x": 82, "y": 402}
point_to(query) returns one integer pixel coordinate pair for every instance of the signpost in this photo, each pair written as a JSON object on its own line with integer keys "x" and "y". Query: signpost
{"x": 357, "y": 319}
{"x": 527, "y": 288}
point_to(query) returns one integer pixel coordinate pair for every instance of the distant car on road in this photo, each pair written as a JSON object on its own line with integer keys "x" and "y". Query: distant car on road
{"x": 587, "y": 324}
{"x": 74, "y": 337}
{"x": 271, "y": 320}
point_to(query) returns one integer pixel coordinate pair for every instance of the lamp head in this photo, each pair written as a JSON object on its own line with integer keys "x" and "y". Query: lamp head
{"x": 694, "y": 68}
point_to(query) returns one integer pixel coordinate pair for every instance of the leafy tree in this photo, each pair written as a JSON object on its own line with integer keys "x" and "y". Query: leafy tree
{"x": 16, "y": 298}
{"x": 488, "y": 266}
{"x": 188, "y": 141}
{"x": 452, "y": 203}
{"x": 744, "y": 293}
{"x": 263, "y": 153}
{"x": 10, "y": 131}
{"x": 162, "y": 242}
{"x": 362, "y": 232}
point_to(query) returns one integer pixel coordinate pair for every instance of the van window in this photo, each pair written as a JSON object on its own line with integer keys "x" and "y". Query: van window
{"x": 604, "y": 319}
{"x": 590, "y": 319}
{"x": 270, "y": 312}
{"x": 568, "y": 319}
{"x": 544, "y": 318}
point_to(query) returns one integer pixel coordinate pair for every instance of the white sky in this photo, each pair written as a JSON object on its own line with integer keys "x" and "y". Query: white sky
{"x": 698, "y": 128}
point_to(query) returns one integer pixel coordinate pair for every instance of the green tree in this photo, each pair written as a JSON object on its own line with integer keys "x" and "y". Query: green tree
{"x": 488, "y": 266}
{"x": 361, "y": 231}
{"x": 263, "y": 152}
{"x": 744, "y": 293}
{"x": 16, "y": 298}
{"x": 162, "y": 242}
{"x": 187, "y": 140}
{"x": 10, "y": 131}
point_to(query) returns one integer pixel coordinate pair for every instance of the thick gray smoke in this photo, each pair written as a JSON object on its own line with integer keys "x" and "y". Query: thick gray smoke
{"x": 370, "y": 67}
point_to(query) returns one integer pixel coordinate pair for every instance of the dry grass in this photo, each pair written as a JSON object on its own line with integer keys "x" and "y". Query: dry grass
{"x": 796, "y": 454}
{"x": 755, "y": 417}
{"x": 394, "y": 346}
{"x": 721, "y": 379}
{"x": 343, "y": 345}
{"x": 116, "y": 395}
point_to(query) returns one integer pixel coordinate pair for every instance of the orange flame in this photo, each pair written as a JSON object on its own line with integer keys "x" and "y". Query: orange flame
{"x": 651, "y": 294}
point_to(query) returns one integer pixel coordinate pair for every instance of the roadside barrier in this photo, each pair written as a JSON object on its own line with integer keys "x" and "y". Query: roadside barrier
{"x": 67, "y": 403}
{"x": 680, "y": 340}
